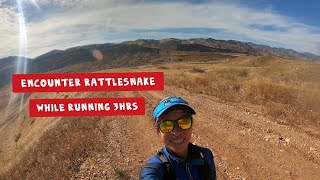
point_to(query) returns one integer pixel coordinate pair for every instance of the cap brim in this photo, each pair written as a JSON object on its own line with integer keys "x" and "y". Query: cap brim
{"x": 192, "y": 111}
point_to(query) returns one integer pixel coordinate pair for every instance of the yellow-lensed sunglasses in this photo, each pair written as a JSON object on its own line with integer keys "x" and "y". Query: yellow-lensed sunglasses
{"x": 167, "y": 126}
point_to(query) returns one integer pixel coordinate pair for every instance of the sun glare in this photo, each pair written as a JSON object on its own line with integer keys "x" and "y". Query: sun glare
{"x": 21, "y": 67}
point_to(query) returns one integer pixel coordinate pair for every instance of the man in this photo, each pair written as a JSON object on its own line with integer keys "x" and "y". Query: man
{"x": 179, "y": 159}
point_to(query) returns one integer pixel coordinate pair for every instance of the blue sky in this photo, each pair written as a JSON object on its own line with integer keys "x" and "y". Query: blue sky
{"x": 306, "y": 11}
{"x": 61, "y": 24}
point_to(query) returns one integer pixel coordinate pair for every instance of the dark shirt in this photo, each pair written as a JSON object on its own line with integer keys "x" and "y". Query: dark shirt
{"x": 184, "y": 169}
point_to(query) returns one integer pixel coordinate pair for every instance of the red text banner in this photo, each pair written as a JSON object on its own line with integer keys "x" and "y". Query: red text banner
{"x": 86, "y": 107}
{"x": 131, "y": 81}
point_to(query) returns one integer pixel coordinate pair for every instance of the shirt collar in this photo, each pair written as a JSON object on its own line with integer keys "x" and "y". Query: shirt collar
{"x": 172, "y": 156}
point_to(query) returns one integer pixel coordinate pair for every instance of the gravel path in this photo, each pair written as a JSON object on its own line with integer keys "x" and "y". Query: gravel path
{"x": 246, "y": 144}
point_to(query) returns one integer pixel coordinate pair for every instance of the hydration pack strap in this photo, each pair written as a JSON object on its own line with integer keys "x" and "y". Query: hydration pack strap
{"x": 169, "y": 174}
{"x": 195, "y": 152}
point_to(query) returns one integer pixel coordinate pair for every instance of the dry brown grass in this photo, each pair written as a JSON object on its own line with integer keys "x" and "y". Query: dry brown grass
{"x": 287, "y": 89}
{"x": 60, "y": 151}
{"x": 50, "y": 148}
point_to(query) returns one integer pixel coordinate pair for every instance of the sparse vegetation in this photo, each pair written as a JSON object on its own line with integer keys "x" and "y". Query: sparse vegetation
{"x": 60, "y": 151}
{"x": 295, "y": 98}
{"x": 17, "y": 137}
{"x": 163, "y": 67}
{"x": 289, "y": 91}
{"x": 197, "y": 70}
{"x": 243, "y": 73}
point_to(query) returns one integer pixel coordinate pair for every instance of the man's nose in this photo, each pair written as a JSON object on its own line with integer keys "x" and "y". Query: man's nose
{"x": 176, "y": 129}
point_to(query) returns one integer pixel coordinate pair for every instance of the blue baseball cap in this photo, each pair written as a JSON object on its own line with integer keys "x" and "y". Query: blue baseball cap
{"x": 168, "y": 103}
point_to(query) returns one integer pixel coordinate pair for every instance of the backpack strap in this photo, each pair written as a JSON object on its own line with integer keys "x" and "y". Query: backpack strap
{"x": 169, "y": 173}
{"x": 198, "y": 152}
{"x": 195, "y": 152}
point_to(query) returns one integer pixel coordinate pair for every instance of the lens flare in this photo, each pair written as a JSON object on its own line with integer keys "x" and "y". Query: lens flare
{"x": 97, "y": 54}
{"x": 35, "y": 4}
{"x": 21, "y": 66}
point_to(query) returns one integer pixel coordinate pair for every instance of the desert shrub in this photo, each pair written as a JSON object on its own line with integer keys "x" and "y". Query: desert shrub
{"x": 231, "y": 72}
{"x": 198, "y": 70}
{"x": 243, "y": 73}
{"x": 17, "y": 137}
{"x": 225, "y": 88}
{"x": 260, "y": 91}
{"x": 281, "y": 99}
{"x": 308, "y": 105}
{"x": 163, "y": 67}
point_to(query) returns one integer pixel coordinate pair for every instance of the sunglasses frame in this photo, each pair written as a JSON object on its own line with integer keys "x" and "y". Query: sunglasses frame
{"x": 175, "y": 122}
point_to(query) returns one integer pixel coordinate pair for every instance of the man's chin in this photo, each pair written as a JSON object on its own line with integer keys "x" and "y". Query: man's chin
{"x": 178, "y": 148}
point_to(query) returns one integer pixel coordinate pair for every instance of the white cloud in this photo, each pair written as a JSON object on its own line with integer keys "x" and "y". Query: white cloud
{"x": 60, "y": 24}
{"x": 8, "y": 30}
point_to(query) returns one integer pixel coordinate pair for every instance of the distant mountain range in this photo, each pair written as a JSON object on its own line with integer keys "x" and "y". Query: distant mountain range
{"x": 139, "y": 52}
{"x": 230, "y": 46}
{"x": 8, "y": 66}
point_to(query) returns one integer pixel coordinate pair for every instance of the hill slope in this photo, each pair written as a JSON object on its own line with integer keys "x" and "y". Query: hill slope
{"x": 247, "y": 113}
{"x": 140, "y": 52}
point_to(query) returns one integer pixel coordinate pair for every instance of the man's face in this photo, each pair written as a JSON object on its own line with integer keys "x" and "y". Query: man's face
{"x": 177, "y": 141}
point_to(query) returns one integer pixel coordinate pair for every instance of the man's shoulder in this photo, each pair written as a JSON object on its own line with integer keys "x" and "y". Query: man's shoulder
{"x": 207, "y": 151}
{"x": 202, "y": 149}
{"x": 154, "y": 159}
{"x": 152, "y": 169}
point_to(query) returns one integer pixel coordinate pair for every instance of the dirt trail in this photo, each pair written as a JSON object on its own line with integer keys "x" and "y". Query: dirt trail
{"x": 246, "y": 145}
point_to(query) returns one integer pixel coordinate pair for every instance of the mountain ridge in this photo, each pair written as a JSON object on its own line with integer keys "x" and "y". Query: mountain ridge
{"x": 229, "y": 46}
{"x": 142, "y": 52}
